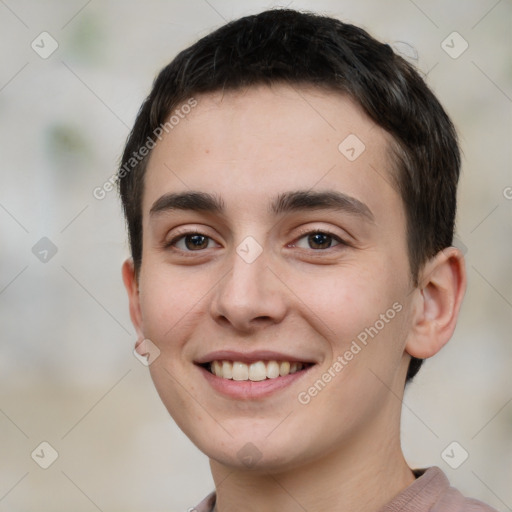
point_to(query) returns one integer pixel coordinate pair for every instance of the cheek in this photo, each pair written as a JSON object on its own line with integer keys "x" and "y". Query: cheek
{"x": 344, "y": 300}
{"x": 362, "y": 320}
{"x": 169, "y": 304}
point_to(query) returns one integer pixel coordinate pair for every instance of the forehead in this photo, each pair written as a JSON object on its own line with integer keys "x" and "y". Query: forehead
{"x": 251, "y": 144}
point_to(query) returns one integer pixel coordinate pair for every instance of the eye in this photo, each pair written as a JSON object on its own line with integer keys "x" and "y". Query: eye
{"x": 192, "y": 241}
{"x": 318, "y": 240}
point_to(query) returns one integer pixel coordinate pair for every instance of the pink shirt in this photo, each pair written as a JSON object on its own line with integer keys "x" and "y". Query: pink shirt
{"x": 431, "y": 492}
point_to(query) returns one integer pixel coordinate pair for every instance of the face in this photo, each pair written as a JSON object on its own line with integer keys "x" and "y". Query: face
{"x": 275, "y": 279}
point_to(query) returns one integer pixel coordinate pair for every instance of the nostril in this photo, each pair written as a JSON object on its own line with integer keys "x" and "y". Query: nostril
{"x": 262, "y": 319}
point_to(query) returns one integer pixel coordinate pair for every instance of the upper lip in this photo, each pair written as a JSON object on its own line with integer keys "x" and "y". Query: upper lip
{"x": 249, "y": 357}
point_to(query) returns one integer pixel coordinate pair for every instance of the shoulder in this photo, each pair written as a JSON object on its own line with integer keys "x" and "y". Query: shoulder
{"x": 431, "y": 492}
{"x": 206, "y": 505}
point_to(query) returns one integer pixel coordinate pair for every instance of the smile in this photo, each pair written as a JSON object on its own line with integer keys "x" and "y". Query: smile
{"x": 252, "y": 375}
{"x": 255, "y": 372}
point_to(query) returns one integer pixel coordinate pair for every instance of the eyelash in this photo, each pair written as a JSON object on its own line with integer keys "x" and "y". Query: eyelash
{"x": 302, "y": 234}
{"x": 330, "y": 234}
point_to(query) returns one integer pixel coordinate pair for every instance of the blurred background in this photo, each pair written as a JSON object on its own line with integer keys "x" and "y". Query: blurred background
{"x": 72, "y": 77}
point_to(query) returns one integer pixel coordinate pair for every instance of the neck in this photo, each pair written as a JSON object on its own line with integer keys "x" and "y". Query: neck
{"x": 364, "y": 474}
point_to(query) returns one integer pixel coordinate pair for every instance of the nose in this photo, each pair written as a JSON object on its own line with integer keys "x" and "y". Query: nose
{"x": 250, "y": 296}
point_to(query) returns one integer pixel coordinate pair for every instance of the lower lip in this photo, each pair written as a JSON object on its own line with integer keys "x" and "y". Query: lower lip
{"x": 247, "y": 389}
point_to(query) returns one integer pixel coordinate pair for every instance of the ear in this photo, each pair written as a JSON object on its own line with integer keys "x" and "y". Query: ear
{"x": 436, "y": 303}
{"x": 131, "y": 284}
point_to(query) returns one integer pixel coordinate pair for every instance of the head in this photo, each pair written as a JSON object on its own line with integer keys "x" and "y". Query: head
{"x": 273, "y": 122}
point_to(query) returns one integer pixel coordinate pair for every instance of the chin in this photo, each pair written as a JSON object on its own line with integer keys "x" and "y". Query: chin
{"x": 255, "y": 450}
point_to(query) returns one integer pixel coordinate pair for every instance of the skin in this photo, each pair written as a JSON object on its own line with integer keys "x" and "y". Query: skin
{"x": 341, "y": 450}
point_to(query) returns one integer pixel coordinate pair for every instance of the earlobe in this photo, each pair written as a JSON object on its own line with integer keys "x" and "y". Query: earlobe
{"x": 437, "y": 303}
{"x": 132, "y": 289}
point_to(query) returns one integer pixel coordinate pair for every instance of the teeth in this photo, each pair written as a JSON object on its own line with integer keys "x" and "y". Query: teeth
{"x": 272, "y": 369}
{"x": 258, "y": 371}
{"x": 227, "y": 370}
{"x": 217, "y": 368}
{"x": 240, "y": 371}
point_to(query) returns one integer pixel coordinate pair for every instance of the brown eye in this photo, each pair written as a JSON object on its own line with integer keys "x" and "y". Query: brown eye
{"x": 318, "y": 240}
{"x": 191, "y": 242}
{"x": 195, "y": 242}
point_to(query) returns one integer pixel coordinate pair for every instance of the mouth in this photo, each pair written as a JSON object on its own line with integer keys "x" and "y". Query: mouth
{"x": 252, "y": 375}
{"x": 255, "y": 371}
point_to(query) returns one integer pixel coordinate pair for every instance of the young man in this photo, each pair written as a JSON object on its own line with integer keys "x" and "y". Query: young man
{"x": 290, "y": 193}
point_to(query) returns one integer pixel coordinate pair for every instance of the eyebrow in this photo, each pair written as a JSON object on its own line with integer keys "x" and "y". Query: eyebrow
{"x": 301, "y": 200}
